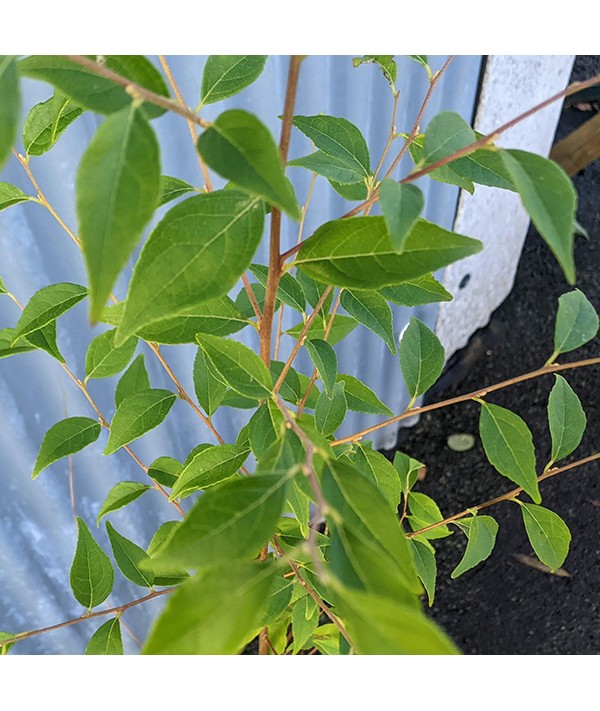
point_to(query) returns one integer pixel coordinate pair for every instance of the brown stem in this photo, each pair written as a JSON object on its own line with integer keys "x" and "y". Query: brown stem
{"x": 137, "y": 90}
{"x": 99, "y": 613}
{"x": 266, "y": 324}
{"x": 191, "y": 125}
{"x": 546, "y": 370}
{"x": 508, "y": 495}
{"x": 391, "y": 135}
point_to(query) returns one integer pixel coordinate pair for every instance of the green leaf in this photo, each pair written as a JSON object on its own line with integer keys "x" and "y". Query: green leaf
{"x": 290, "y": 389}
{"x": 230, "y": 521}
{"x": 46, "y": 305}
{"x": 548, "y": 534}
{"x": 485, "y": 167}
{"x": 508, "y": 445}
{"x": 417, "y": 292}
{"x": 106, "y": 639}
{"x": 117, "y": 191}
{"x": 371, "y": 309}
{"x": 265, "y": 427}
{"x": 445, "y": 174}
{"x": 10, "y": 106}
{"x": 134, "y": 379}
{"x": 288, "y": 291}
{"x": 446, "y": 133}
{"x": 46, "y": 122}
{"x": 566, "y": 419}
{"x": 576, "y": 322}
{"x": 325, "y": 361}
{"x": 342, "y": 326}
{"x": 305, "y": 620}
{"x": 358, "y": 253}
{"x": 218, "y": 611}
{"x": 2, "y": 287}
{"x": 339, "y": 138}
{"x": 120, "y": 495}
{"x": 299, "y": 504}
{"x": 92, "y": 91}
{"x": 92, "y": 575}
{"x": 424, "y": 557}
{"x": 6, "y": 347}
{"x": 380, "y": 625}
{"x": 103, "y": 359}
{"x": 165, "y": 470}
{"x": 137, "y": 414}
{"x": 128, "y": 557}
{"x": 333, "y": 168}
{"x": 197, "y": 252}
{"x": 408, "y": 470}
{"x": 237, "y": 366}
{"x": 372, "y": 462}
{"x": 45, "y": 339}
{"x": 353, "y": 192}
{"x": 240, "y": 148}
{"x": 64, "y": 438}
{"x": 550, "y": 199}
{"x": 425, "y": 512}
{"x": 172, "y": 188}
{"x": 386, "y": 63}
{"x": 9, "y": 196}
{"x": 481, "y": 534}
{"x": 401, "y": 206}
{"x": 209, "y": 467}
{"x": 423, "y": 61}
{"x": 226, "y": 75}
{"x": 422, "y": 357}
{"x": 208, "y": 388}
{"x": 360, "y": 398}
{"x": 331, "y": 411}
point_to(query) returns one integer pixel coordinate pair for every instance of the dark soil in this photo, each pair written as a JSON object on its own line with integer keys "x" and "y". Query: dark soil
{"x": 504, "y": 606}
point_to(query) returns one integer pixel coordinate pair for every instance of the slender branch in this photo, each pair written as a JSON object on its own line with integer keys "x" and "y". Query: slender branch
{"x": 191, "y": 125}
{"x": 266, "y": 323}
{"x": 89, "y": 616}
{"x": 301, "y": 338}
{"x": 391, "y": 135}
{"x": 137, "y": 90}
{"x": 508, "y": 495}
{"x": 546, "y": 370}
{"x": 252, "y": 298}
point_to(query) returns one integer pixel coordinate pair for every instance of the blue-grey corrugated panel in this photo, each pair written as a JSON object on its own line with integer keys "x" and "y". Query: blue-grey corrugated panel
{"x": 37, "y": 531}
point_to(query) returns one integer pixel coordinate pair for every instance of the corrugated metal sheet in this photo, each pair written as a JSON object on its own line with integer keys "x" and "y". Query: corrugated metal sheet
{"x": 37, "y": 532}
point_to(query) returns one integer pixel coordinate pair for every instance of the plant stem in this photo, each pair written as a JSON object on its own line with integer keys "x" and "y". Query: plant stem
{"x": 546, "y": 370}
{"x": 137, "y": 90}
{"x": 508, "y": 495}
{"x": 391, "y": 135}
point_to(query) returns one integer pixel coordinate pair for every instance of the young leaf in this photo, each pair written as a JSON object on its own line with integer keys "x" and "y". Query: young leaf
{"x": 408, "y": 470}
{"x": 550, "y": 199}
{"x": 9, "y": 196}
{"x": 289, "y": 290}
{"x": 208, "y": 388}
{"x": 92, "y": 575}
{"x": 10, "y": 106}
{"x": 240, "y": 148}
{"x": 481, "y": 534}
{"x": 137, "y": 414}
{"x": 117, "y": 192}
{"x": 330, "y": 167}
{"x": 566, "y": 419}
{"x": 176, "y": 276}
{"x": 360, "y": 398}
{"x": 230, "y": 521}
{"x": 325, "y": 361}
{"x": 342, "y": 326}
{"x": 358, "y": 253}
{"x": 237, "y": 366}
{"x": 305, "y": 620}
{"x": 339, "y": 138}
{"x": 64, "y": 438}
{"x": 416, "y": 292}
{"x": 423, "y": 61}
{"x": 424, "y": 557}
{"x": 371, "y": 309}
{"x": 94, "y": 92}
{"x": 331, "y": 411}
{"x": 128, "y": 557}
{"x": 548, "y": 534}
{"x": 421, "y": 357}
{"x": 46, "y": 305}
{"x": 172, "y": 188}
{"x": 103, "y": 359}
{"x": 225, "y": 75}
{"x": 46, "y": 122}
{"x": 447, "y": 133}
{"x": 45, "y": 339}
{"x": 576, "y": 322}
{"x": 134, "y": 379}
{"x": 120, "y": 495}
{"x": 209, "y": 467}
{"x": 425, "y": 512}
{"x": 508, "y": 445}
{"x": 106, "y": 639}
{"x": 218, "y": 611}
{"x": 386, "y": 63}
{"x": 401, "y": 206}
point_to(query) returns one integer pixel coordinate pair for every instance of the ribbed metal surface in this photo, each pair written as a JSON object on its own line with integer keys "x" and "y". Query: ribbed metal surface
{"x": 37, "y": 531}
